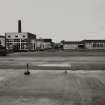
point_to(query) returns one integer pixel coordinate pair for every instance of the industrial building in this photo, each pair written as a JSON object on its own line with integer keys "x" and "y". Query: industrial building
{"x": 94, "y": 44}
{"x": 44, "y": 44}
{"x": 84, "y": 44}
{"x": 20, "y": 41}
{"x": 23, "y": 41}
{"x": 70, "y": 45}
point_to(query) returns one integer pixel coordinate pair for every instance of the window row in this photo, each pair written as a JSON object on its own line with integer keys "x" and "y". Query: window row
{"x": 9, "y": 36}
{"x": 98, "y": 45}
{"x": 17, "y": 45}
{"x": 22, "y": 46}
{"x": 16, "y": 40}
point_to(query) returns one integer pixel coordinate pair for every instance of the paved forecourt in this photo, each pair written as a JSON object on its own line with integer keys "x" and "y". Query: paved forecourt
{"x": 52, "y": 87}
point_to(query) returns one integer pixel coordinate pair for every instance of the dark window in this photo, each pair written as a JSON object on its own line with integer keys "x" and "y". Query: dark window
{"x": 23, "y": 46}
{"x": 16, "y": 40}
{"x": 24, "y": 36}
{"x": 23, "y": 40}
{"x": 9, "y": 40}
{"x": 16, "y": 36}
{"x": 9, "y": 36}
{"x": 101, "y": 45}
{"x": 94, "y": 45}
{"x": 98, "y": 45}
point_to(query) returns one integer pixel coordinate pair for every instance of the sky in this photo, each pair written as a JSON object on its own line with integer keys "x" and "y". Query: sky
{"x": 68, "y": 20}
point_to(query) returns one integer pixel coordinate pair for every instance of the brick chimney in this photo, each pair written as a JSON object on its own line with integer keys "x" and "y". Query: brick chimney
{"x": 19, "y": 26}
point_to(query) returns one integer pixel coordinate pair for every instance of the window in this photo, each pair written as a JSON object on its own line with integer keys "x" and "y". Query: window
{"x": 16, "y": 40}
{"x": 23, "y": 40}
{"x": 23, "y": 46}
{"x": 94, "y": 45}
{"x": 9, "y": 36}
{"x": 16, "y": 35}
{"x": 24, "y": 36}
{"x": 98, "y": 45}
{"x": 101, "y": 45}
{"x": 7, "y": 40}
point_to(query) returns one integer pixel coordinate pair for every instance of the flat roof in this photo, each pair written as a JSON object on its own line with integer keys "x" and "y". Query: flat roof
{"x": 89, "y": 41}
{"x": 71, "y": 42}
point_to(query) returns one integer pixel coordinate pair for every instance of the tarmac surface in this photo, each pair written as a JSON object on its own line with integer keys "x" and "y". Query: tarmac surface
{"x": 76, "y": 62}
{"x": 48, "y": 83}
{"x": 54, "y": 87}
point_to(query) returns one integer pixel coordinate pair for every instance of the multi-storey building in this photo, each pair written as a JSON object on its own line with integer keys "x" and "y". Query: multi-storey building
{"x": 23, "y": 41}
{"x": 20, "y": 41}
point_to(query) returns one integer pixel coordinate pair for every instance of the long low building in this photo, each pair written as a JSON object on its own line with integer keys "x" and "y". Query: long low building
{"x": 70, "y": 44}
{"x": 94, "y": 44}
{"x": 84, "y": 44}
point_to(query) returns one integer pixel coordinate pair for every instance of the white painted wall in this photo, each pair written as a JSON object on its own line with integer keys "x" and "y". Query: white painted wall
{"x": 2, "y": 41}
{"x": 90, "y": 46}
{"x": 70, "y": 46}
{"x": 47, "y": 45}
{"x": 39, "y": 44}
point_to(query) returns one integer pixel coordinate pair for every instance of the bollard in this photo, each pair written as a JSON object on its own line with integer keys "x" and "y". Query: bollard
{"x": 27, "y": 72}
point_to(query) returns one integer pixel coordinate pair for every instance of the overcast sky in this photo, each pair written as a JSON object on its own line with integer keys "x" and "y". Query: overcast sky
{"x": 56, "y": 19}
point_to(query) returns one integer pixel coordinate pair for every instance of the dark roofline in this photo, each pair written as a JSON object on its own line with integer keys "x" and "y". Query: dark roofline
{"x": 30, "y": 33}
{"x": 39, "y": 39}
{"x": 21, "y": 32}
{"x": 82, "y": 42}
{"x": 89, "y": 41}
{"x": 71, "y": 42}
{"x": 47, "y": 40}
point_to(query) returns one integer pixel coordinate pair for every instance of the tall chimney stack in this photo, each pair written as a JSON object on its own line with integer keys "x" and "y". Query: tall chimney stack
{"x": 19, "y": 26}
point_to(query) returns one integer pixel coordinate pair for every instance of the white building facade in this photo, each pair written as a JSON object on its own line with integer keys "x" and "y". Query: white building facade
{"x": 2, "y": 40}
{"x": 39, "y": 45}
{"x": 94, "y": 44}
{"x": 70, "y": 45}
{"x": 47, "y": 43}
